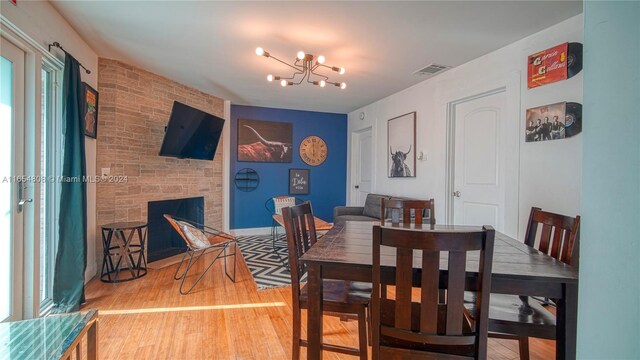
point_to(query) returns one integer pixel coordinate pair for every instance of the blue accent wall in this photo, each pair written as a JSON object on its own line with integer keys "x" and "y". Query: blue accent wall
{"x": 327, "y": 181}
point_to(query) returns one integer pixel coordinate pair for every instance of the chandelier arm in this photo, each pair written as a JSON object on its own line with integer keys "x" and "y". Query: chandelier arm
{"x": 320, "y": 75}
{"x": 328, "y": 67}
{"x": 289, "y": 65}
{"x": 302, "y": 79}
{"x": 292, "y": 76}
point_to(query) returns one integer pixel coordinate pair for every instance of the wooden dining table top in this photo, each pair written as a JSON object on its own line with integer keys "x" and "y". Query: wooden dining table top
{"x": 350, "y": 242}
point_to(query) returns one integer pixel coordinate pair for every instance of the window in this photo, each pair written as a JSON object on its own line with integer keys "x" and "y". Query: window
{"x": 50, "y": 160}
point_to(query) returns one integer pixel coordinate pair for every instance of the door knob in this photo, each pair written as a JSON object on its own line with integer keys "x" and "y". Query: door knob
{"x": 456, "y": 194}
{"x": 357, "y": 186}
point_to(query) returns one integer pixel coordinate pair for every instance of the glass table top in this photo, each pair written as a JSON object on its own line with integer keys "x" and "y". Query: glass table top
{"x": 43, "y": 338}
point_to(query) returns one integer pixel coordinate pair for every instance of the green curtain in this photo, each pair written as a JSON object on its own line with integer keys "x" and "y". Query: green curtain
{"x": 71, "y": 259}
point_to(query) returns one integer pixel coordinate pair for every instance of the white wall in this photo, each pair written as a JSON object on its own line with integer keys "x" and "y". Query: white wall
{"x": 549, "y": 174}
{"x": 40, "y": 21}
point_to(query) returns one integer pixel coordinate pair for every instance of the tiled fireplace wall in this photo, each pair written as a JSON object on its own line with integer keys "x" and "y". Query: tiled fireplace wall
{"x": 134, "y": 108}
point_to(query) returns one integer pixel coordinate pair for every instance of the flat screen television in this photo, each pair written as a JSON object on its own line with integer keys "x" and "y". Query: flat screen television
{"x": 191, "y": 133}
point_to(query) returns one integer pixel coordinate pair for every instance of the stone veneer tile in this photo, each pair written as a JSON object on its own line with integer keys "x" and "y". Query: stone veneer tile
{"x": 134, "y": 109}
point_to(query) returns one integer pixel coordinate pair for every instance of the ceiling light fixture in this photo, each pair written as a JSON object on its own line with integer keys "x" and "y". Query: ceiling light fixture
{"x": 305, "y": 65}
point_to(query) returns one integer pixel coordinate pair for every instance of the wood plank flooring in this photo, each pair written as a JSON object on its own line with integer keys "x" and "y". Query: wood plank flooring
{"x": 148, "y": 319}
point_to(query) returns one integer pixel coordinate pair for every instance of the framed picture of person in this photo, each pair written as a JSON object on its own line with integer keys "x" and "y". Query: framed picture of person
{"x": 401, "y": 144}
{"x": 90, "y": 112}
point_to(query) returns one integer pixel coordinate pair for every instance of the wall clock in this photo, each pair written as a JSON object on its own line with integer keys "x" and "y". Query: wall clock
{"x": 313, "y": 150}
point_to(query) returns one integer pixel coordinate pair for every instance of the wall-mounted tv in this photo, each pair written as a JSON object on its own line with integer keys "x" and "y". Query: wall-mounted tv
{"x": 191, "y": 133}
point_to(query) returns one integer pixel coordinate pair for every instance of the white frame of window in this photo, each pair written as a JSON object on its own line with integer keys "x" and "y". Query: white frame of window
{"x": 53, "y": 134}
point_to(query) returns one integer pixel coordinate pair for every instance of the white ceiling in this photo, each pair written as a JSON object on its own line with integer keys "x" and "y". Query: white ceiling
{"x": 210, "y": 45}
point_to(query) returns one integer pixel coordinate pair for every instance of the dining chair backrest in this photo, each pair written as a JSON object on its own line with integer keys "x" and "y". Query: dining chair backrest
{"x": 301, "y": 235}
{"x": 274, "y": 205}
{"x": 431, "y": 320}
{"x": 559, "y": 235}
{"x": 404, "y": 207}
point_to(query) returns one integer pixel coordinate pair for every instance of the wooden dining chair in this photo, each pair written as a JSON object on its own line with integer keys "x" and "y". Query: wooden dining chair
{"x": 401, "y": 209}
{"x": 521, "y": 317}
{"x": 394, "y": 210}
{"x": 340, "y": 297}
{"x": 429, "y": 327}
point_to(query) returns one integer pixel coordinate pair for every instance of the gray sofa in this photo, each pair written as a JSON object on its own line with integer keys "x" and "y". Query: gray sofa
{"x": 370, "y": 211}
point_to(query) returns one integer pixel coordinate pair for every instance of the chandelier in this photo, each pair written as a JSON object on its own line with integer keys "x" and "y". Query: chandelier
{"x": 305, "y": 65}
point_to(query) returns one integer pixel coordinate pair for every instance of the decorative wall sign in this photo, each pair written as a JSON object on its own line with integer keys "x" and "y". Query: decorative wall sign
{"x": 401, "y": 141}
{"x": 90, "y": 111}
{"x": 313, "y": 150}
{"x": 552, "y": 122}
{"x": 554, "y": 64}
{"x": 299, "y": 181}
{"x": 246, "y": 180}
{"x": 264, "y": 141}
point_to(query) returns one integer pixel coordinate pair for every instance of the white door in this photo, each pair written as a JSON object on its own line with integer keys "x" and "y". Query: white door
{"x": 11, "y": 166}
{"x": 362, "y": 160}
{"x": 479, "y": 169}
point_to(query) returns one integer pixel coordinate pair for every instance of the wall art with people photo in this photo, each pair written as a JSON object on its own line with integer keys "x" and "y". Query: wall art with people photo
{"x": 546, "y": 122}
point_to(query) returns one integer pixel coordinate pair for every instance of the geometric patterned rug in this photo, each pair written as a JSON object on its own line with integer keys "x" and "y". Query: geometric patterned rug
{"x": 267, "y": 269}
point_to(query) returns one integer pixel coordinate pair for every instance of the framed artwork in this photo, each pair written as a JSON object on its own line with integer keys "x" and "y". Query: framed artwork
{"x": 401, "y": 142}
{"x": 545, "y": 123}
{"x": 90, "y": 111}
{"x": 552, "y": 122}
{"x": 264, "y": 141}
{"x": 299, "y": 181}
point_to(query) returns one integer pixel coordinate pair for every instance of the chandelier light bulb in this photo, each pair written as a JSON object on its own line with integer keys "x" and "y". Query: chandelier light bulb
{"x": 259, "y": 51}
{"x": 300, "y": 55}
{"x": 341, "y": 72}
{"x": 283, "y": 83}
{"x": 321, "y": 59}
{"x": 323, "y": 83}
{"x": 343, "y": 86}
{"x": 269, "y": 77}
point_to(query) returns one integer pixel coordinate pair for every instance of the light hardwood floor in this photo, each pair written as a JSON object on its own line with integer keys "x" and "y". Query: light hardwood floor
{"x": 148, "y": 319}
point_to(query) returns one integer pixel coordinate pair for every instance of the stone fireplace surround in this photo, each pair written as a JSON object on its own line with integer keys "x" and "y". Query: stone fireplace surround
{"x": 134, "y": 108}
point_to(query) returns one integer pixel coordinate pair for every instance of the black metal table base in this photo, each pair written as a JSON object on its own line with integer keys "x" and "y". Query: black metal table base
{"x": 123, "y": 255}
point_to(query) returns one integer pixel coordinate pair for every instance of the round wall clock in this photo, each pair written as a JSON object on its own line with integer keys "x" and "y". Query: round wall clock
{"x": 313, "y": 150}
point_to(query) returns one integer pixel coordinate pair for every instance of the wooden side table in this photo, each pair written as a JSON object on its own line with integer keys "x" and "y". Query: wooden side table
{"x": 123, "y": 244}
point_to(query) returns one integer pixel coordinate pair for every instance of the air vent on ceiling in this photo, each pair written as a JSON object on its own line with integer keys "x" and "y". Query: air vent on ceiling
{"x": 431, "y": 69}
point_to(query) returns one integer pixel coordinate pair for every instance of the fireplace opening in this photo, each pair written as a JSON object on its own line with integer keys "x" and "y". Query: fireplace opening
{"x": 163, "y": 240}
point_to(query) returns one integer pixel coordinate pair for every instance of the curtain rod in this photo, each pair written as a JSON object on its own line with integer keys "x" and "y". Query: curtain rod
{"x": 57, "y": 44}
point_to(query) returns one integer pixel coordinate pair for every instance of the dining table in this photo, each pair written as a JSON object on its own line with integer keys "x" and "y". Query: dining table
{"x": 345, "y": 253}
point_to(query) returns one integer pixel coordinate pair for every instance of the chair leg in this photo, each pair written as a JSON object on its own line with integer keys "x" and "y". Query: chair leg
{"x": 297, "y": 326}
{"x": 190, "y": 264}
{"x": 523, "y": 347}
{"x": 369, "y": 324}
{"x": 362, "y": 331}
{"x": 226, "y": 255}
{"x": 175, "y": 276}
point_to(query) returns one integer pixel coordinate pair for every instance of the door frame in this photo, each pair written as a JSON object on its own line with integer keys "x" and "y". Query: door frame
{"x": 355, "y": 161}
{"x": 35, "y": 55}
{"x": 510, "y": 85}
